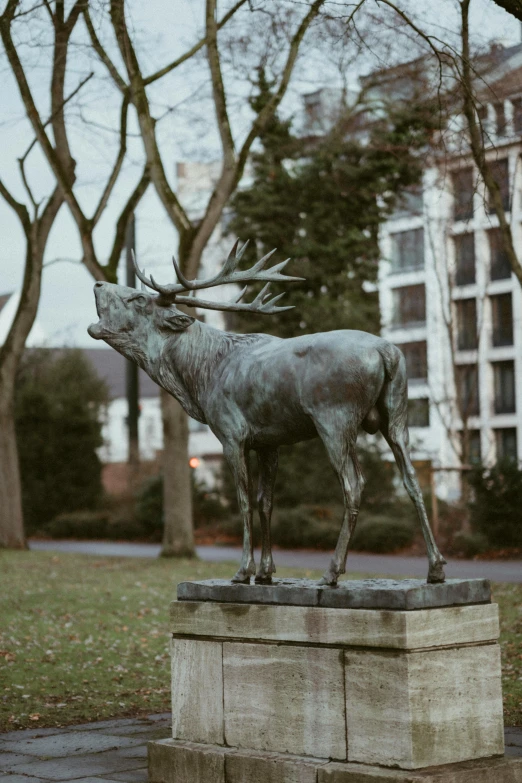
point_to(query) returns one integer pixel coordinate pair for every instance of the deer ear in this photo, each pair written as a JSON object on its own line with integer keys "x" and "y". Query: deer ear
{"x": 178, "y": 322}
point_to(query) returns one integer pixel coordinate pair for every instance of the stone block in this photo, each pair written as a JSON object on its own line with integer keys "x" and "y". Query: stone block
{"x": 424, "y": 708}
{"x": 285, "y": 699}
{"x": 405, "y": 594}
{"x": 258, "y": 767}
{"x": 482, "y": 771}
{"x": 347, "y": 627}
{"x": 197, "y": 690}
{"x": 175, "y": 762}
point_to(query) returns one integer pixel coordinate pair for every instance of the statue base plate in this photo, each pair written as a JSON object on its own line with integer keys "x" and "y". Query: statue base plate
{"x": 405, "y": 594}
{"x": 175, "y": 761}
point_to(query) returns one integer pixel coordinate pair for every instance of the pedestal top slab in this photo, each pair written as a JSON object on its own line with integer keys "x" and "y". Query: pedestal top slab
{"x": 404, "y": 594}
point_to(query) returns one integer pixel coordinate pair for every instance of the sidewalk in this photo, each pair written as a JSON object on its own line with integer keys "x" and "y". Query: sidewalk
{"x": 103, "y": 752}
{"x": 111, "y": 751}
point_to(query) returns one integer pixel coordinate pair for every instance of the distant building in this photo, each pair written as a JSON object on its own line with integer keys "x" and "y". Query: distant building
{"x": 448, "y": 297}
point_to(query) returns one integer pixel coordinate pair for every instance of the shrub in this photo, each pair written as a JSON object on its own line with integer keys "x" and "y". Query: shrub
{"x": 149, "y": 506}
{"x": 78, "y": 524}
{"x": 470, "y": 544}
{"x": 495, "y": 510}
{"x": 58, "y": 405}
{"x": 382, "y": 534}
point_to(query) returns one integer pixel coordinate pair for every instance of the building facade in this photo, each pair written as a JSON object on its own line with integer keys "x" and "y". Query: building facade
{"x": 450, "y": 301}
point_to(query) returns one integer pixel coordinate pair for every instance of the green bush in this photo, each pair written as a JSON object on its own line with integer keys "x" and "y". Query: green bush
{"x": 58, "y": 404}
{"x": 78, "y": 524}
{"x": 382, "y": 534}
{"x": 149, "y": 506}
{"x": 470, "y": 544}
{"x": 495, "y": 510}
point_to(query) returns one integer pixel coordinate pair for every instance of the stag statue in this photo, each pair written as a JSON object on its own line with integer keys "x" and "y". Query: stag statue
{"x": 258, "y": 392}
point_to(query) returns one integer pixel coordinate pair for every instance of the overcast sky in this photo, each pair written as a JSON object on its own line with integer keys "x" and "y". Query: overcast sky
{"x": 67, "y": 302}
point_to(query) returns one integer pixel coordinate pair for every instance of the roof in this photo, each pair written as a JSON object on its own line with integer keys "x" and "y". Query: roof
{"x": 110, "y": 365}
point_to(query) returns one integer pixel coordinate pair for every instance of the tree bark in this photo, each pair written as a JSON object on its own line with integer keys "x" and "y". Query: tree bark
{"x": 178, "y": 535}
{"x": 11, "y": 518}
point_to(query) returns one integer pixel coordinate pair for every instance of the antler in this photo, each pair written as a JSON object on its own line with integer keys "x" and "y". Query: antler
{"x": 263, "y": 303}
{"x": 228, "y": 274}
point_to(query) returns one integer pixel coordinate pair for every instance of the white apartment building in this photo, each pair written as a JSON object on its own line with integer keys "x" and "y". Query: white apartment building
{"x": 448, "y": 297}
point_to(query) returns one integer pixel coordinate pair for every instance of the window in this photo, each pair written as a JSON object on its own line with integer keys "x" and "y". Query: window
{"x": 500, "y": 119}
{"x": 474, "y": 450}
{"x": 416, "y": 360}
{"x": 499, "y": 169}
{"x": 463, "y": 189}
{"x": 408, "y": 250}
{"x": 517, "y": 115}
{"x": 410, "y": 202}
{"x": 500, "y": 268}
{"x": 502, "y": 317}
{"x": 504, "y": 377}
{"x": 465, "y": 258}
{"x": 506, "y": 442}
{"x": 468, "y": 390}
{"x": 467, "y": 338}
{"x": 409, "y": 305}
{"x": 418, "y": 413}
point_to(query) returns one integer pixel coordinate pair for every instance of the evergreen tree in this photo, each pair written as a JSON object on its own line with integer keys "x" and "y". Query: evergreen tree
{"x": 320, "y": 202}
{"x": 58, "y": 406}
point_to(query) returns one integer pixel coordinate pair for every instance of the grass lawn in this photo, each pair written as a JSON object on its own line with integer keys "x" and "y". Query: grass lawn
{"x": 85, "y": 638}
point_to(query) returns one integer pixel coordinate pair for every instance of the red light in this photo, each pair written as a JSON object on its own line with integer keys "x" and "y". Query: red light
{"x": 194, "y": 462}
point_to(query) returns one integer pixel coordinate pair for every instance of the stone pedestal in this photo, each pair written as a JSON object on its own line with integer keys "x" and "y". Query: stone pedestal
{"x": 290, "y": 692}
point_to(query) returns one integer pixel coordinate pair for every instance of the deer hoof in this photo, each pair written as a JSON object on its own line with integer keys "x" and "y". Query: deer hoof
{"x": 329, "y": 579}
{"x": 263, "y": 579}
{"x": 436, "y": 573}
{"x": 242, "y": 577}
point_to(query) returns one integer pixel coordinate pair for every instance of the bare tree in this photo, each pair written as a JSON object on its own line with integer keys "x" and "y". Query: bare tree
{"x": 37, "y": 220}
{"x": 193, "y": 235}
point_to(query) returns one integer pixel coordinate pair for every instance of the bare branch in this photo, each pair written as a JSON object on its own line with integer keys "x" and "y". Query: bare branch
{"x": 218, "y": 89}
{"x": 231, "y": 175}
{"x": 46, "y": 123}
{"x": 18, "y": 207}
{"x": 118, "y": 163}
{"x": 191, "y": 52}
{"x": 147, "y": 124}
{"x": 477, "y": 147}
{"x": 102, "y": 54}
{"x": 119, "y": 240}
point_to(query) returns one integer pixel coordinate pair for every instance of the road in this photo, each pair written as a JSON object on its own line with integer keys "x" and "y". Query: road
{"x": 390, "y": 565}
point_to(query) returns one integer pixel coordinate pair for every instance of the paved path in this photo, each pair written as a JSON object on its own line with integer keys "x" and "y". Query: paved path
{"x": 392, "y": 565}
{"x": 112, "y": 751}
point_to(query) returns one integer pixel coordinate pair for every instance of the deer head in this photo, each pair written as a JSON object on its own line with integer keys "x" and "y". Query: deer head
{"x": 137, "y": 323}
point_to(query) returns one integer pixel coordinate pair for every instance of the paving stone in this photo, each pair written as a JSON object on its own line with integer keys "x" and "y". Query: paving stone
{"x": 139, "y": 728}
{"x": 78, "y": 767}
{"x": 405, "y": 594}
{"x": 102, "y": 724}
{"x": 30, "y": 734}
{"x": 24, "y": 779}
{"x": 160, "y": 716}
{"x": 69, "y": 744}
{"x": 8, "y": 761}
{"x": 513, "y": 736}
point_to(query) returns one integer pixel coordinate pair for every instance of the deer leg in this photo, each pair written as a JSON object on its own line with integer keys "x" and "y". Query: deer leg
{"x": 399, "y": 446}
{"x": 352, "y": 483}
{"x": 237, "y": 458}
{"x": 267, "y": 461}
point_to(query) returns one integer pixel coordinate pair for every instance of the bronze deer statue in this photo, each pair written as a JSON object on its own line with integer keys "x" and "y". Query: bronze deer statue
{"x": 258, "y": 392}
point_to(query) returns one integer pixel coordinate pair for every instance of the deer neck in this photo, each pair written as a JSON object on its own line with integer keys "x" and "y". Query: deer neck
{"x": 186, "y": 365}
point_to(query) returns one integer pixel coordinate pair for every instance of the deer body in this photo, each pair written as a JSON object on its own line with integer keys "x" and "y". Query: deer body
{"x": 258, "y": 392}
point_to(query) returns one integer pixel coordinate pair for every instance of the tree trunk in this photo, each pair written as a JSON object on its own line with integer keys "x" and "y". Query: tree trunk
{"x": 178, "y": 535}
{"x": 11, "y": 518}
